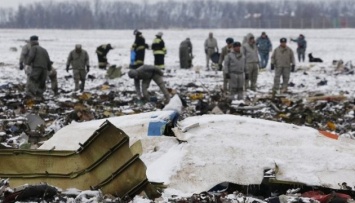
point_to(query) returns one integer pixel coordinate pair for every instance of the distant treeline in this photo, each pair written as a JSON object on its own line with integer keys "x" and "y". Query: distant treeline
{"x": 188, "y": 14}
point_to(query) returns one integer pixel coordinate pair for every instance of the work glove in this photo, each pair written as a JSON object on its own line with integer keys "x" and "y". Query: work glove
{"x": 21, "y": 66}
{"x": 293, "y": 68}
{"x": 220, "y": 66}
{"x": 228, "y": 76}
{"x": 246, "y": 76}
{"x": 67, "y": 68}
{"x": 272, "y": 66}
{"x": 87, "y": 68}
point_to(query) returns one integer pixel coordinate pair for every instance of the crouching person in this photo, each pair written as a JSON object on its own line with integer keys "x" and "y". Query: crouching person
{"x": 235, "y": 71}
{"x": 147, "y": 73}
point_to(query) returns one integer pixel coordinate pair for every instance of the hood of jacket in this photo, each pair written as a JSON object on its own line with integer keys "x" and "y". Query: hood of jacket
{"x": 133, "y": 73}
{"x": 249, "y": 36}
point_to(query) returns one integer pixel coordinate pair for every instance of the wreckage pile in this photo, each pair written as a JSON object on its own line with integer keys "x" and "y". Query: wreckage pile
{"x": 22, "y": 117}
{"x": 46, "y": 193}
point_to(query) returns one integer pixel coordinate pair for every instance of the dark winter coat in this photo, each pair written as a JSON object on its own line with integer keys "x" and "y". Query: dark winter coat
{"x": 301, "y": 42}
{"x": 264, "y": 44}
{"x": 158, "y": 46}
{"x": 186, "y": 44}
{"x": 38, "y": 57}
{"x": 103, "y": 50}
{"x": 139, "y": 47}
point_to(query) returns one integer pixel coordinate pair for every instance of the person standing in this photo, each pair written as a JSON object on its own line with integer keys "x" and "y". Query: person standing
{"x": 40, "y": 62}
{"x": 250, "y": 52}
{"x": 301, "y": 47}
{"x": 185, "y": 54}
{"x": 79, "y": 59}
{"x": 139, "y": 47}
{"x": 159, "y": 51}
{"x": 235, "y": 71}
{"x": 225, "y": 50}
{"x": 25, "y": 51}
{"x": 23, "y": 60}
{"x": 147, "y": 73}
{"x": 264, "y": 48}
{"x": 102, "y": 52}
{"x": 211, "y": 47}
{"x": 283, "y": 61}
{"x": 52, "y": 75}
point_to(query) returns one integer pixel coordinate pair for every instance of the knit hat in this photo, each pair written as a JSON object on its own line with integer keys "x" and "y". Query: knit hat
{"x": 283, "y": 40}
{"x": 34, "y": 38}
{"x": 229, "y": 40}
{"x": 136, "y": 32}
{"x": 237, "y": 44}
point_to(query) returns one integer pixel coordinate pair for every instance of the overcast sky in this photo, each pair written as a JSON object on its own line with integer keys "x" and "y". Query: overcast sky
{"x": 15, "y": 3}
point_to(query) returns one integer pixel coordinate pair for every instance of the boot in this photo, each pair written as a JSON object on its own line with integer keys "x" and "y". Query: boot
{"x": 284, "y": 90}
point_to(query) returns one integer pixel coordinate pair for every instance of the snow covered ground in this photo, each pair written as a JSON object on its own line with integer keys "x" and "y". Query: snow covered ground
{"x": 327, "y": 44}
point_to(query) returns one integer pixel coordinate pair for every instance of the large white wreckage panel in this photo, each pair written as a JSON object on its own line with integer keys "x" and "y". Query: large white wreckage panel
{"x": 236, "y": 149}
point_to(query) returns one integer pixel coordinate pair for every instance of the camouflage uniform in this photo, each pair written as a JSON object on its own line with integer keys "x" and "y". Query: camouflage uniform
{"x": 23, "y": 60}
{"x": 40, "y": 62}
{"x": 211, "y": 47}
{"x": 53, "y": 78}
{"x": 264, "y": 47}
{"x": 235, "y": 67}
{"x": 250, "y": 52}
{"x": 282, "y": 58}
{"x": 78, "y": 60}
{"x": 147, "y": 73}
{"x": 225, "y": 52}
